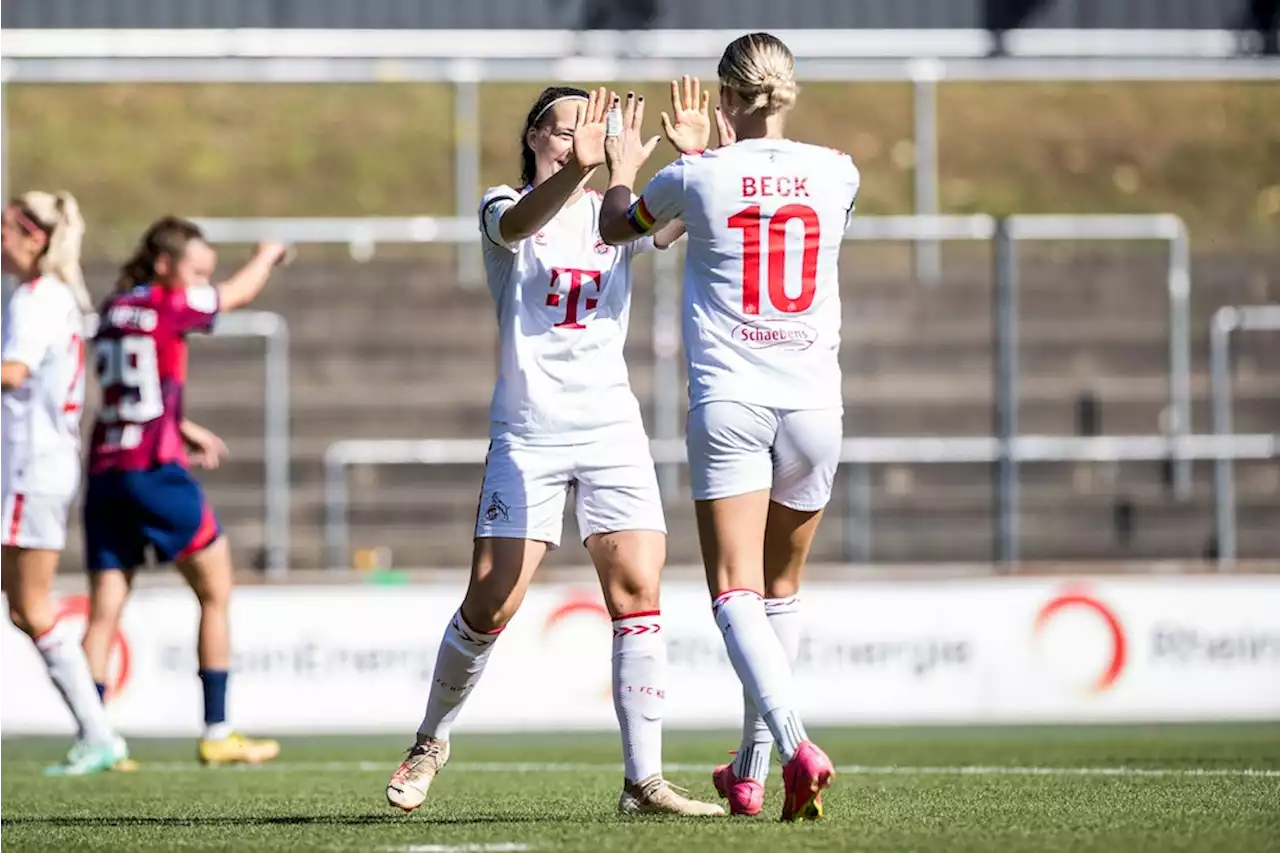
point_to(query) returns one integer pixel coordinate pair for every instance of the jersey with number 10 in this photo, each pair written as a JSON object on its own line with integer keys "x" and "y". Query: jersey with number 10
{"x": 765, "y": 220}
{"x": 140, "y": 353}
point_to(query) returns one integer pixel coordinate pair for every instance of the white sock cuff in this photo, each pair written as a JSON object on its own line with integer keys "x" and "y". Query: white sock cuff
{"x": 782, "y": 606}
{"x": 51, "y": 639}
{"x": 639, "y": 624}
{"x": 733, "y": 595}
{"x": 470, "y": 637}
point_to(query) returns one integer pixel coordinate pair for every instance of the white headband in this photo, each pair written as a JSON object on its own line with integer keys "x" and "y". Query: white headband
{"x": 555, "y": 101}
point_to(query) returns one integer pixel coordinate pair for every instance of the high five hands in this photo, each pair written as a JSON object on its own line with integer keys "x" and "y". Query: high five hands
{"x": 626, "y": 150}
{"x": 687, "y": 127}
{"x": 724, "y": 130}
{"x": 690, "y": 130}
{"x": 589, "y": 129}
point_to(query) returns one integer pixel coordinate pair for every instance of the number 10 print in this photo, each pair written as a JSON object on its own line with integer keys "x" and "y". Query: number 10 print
{"x": 776, "y": 253}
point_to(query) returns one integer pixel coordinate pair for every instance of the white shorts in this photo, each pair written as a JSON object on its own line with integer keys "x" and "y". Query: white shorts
{"x": 738, "y": 448}
{"x": 525, "y": 487}
{"x": 35, "y": 521}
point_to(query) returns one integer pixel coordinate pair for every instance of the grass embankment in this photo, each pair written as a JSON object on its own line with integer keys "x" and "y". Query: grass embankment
{"x": 1208, "y": 152}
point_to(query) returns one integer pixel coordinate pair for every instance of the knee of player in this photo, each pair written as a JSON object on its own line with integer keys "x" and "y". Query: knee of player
{"x": 631, "y": 593}
{"x": 18, "y": 618}
{"x": 29, "y": 620}
{"x": 486, "y": 610}
{"x": 213, "y": 597}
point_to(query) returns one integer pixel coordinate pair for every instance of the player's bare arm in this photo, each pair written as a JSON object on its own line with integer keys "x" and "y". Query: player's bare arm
{"x": 244, "y": 286}
{"x": 538, "y": 206}
{"x": 626, "y": 151}
{"x": 668, "y": 234}
{"x": 687, "y": 127}
{"x": 207, "y": 449}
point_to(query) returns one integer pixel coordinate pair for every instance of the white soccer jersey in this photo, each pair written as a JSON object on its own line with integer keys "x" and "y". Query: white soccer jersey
{"x": 765, "y": 219}
{"x": 563, "y": 298}
{"x": 43, "y": 329}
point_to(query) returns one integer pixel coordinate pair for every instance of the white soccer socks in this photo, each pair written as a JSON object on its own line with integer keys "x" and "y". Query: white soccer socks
{"x": 758, "y": 657}
{"x": 639, "y": 690}
{"x": 70, "y": 674}
{"x": 459, "y": 665}
{"x": 752, "y": 761}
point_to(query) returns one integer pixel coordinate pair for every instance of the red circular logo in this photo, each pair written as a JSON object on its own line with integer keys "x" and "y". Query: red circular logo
{"x": 77, "y": 606}
{"x": 1075, "y": 600}
{"x": 576, "y": 603}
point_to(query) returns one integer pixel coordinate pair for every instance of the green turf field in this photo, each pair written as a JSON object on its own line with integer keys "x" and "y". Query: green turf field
{"x": 1185, "y": 788}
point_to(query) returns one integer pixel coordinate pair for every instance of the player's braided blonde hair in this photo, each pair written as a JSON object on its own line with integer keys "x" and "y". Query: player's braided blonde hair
{"x": 761, "y": 69}
{"x": 58, "y": 216}
{"x": 166, "y": 236}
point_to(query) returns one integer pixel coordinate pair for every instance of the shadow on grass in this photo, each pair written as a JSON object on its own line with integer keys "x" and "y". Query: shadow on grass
{"x": 270, "y": 820}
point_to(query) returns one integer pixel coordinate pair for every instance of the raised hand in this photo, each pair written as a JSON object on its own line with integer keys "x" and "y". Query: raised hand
{"x": 207, "y": 449}
{"x": 589, "y": 130}
{"x": 281, "y": 254}
{"x": 688, "y": 127}
{"x": 724, "y": 130}
{"x": 627, "y": 151}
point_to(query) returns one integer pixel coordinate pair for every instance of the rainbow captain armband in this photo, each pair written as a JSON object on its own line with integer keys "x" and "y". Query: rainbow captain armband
{"x": 640, "y": 218}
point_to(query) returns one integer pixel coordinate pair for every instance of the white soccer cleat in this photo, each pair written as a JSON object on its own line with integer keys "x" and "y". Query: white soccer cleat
{"x": 656, "y": 795}
{"x": 87, "y": 758}
{"x": 409, "y": 785}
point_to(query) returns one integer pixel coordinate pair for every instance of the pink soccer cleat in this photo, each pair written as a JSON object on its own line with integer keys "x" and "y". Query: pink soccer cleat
{"x": 745, "y": 796}
{"x": 806, "y": 774}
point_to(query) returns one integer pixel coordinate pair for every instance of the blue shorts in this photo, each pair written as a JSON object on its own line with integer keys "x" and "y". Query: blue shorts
{"x": 126, "y": 512}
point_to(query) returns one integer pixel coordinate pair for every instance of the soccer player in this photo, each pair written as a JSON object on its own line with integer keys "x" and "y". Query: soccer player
{"x": 765, "y": 217}
{"x": 141, "y": 494}
{"x": 563, "y": 417}
{"x": 43, "y": 380}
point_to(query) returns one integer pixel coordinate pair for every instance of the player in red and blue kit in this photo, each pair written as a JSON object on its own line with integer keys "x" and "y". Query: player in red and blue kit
{"x": 141, "y": 494}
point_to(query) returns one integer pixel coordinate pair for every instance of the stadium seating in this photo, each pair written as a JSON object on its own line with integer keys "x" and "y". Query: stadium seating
{"x": 395, "y": 348}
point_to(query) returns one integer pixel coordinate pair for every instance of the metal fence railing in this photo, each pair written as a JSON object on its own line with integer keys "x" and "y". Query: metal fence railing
{"x": 858, "y": 452}
{"x": 362, "y": 235}
{"x": 1016, "y": 229}
{"x": 1226, "y": 320}
{"x": 277, "y": 493}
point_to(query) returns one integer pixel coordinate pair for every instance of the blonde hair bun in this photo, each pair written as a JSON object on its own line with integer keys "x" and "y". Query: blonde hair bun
{"x": 760, "y": 68}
